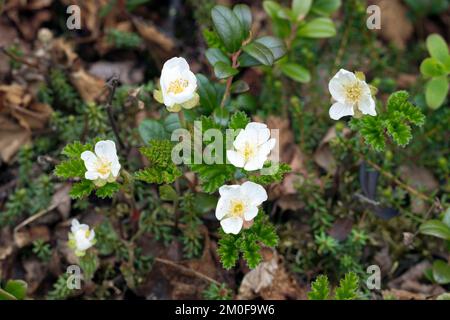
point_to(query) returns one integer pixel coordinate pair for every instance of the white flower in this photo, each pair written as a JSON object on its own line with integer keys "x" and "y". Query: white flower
{"x": 352, "y": 94}
{"x": 178, "y": 85}
{"x": 102, "y": 166}
{"x": 81, "y": 238}
{"x": 239, "y": 203}
{"x": 253, "y": 145}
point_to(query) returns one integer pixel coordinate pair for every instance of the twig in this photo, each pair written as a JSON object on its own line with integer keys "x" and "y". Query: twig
{"x": 112, "y": 86}
{"x": 398, "y": 182}
{"x": 187, "y": 270}
{"x": 36, "y": 216}
{"x": 19, "y": 59}
{"x": 234, "y": 64}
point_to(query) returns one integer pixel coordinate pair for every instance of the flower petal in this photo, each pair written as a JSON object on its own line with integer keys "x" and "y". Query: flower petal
{"x": 222, "y": 208}
{"x": 106, "y": 149}
{"x": 250, "y": 213}
{"x": 337, "y": 84}
{"x": 235, "y": 158}
{"x": 339, "y": 110}
{"x": 367, "y": 105}
{"x": 75, "y": 226}
{"x": 255, "y": 163}
{"x": 91, "y": 175}
{"x": 229, "y": 190}
{"x": 261, "y": 130}
{"x": 254, "y": 192}
{"x": 115, "y": 168}
{"x": 244, "y": 137}
{"x": 89, "y": 159}
{"x": 232, "y": 225}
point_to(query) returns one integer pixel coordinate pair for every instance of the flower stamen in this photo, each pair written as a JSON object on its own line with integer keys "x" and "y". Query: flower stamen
{"x": 353, "y": 92}
{"x": 177, "y": 86}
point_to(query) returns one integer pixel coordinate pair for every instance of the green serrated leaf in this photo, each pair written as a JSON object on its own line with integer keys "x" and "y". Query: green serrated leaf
{"x": 75, "y": 149}
{"x": 72, "y": 168}
{"x": 228, "y": 250}
{"x": 108, "y": 190}
{"x": 399, "y": 131}
{"x": 320, "y": 289}
{"x": 212, "y": 177}
{"x": 250, "y": 250}
{"x": 167, "y": 193}
{"x": 239, "y": 120}
{"x": 264, "y": 230}
{"x": 267, "y": 179}
{"x": 81, "y": 189}
{"x": 348, "y": 287}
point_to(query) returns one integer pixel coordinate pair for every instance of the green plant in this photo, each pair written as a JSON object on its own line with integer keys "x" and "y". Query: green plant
{"x": 42, "y": 250}
{"x": 123, "y": 39}
{"x": 440, "y": 271}
{"x": 437, "y": 69}
{"x": 302, "y": 21}
{"x": 13, "y": 290}
{"x": 347, "y": 289}
{"x": 217, "y": 292}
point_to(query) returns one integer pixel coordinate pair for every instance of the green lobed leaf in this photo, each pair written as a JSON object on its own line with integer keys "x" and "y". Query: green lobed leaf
{"x": 239, "y": 120}
{"x": 168, "y": 193}
{"x": 250, "y": 250}
{"x": 264, "y": 230}
{"x": 372, "y": 130}
{"x": 228, "y": 27}
{"x": 213, "y": 176}
{"x": 108, "y": 190}
{"x": 398, "y": 103}
{"x": 398, "y": 130}
{"x": 320, "y": 289}
{"x": 81, "y": 189}
{"x": 228, "y": 250}
{"x": 267, "y": 179}
{"x": 75, "y": 149}
{"x": 317, "y": 28}
{"x": 348, "y": 287}
{"x": 72, "y": 168}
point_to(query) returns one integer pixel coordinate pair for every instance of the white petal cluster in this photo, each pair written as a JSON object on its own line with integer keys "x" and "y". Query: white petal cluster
{"x": 81, "y": 237}
{"x": 352, "y": 95}
{"x": 102, "y": 166}
{"x": 178, "y": 85}
{"x": 239, "y": 204}
{"x": 251, "y": 147}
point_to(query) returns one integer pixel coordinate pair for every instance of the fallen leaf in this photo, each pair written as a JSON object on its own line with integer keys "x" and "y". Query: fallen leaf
{"x": 89, "y": 87}
{"x": 270, "y": 280}
{"x": 151, "y": 34}
{"x": 324, "y": 156}
{"x": 12, "y": 138}
{"x": 27, "y": 236}
{"x": 395, "y": 25}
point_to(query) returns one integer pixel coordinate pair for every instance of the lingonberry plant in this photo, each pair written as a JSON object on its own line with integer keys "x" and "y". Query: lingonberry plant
{"x": 238, "y": 162}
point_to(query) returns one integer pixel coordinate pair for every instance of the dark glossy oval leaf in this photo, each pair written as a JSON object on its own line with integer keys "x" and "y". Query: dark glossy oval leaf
{"x": 325, "y": 7}
{"x": 441, "y": 272}
{"x": 317, "y": 28}
{"x": 260, "y": 52}
{"x": 243, "y": 13}
{"x": 214, "y": 55}
{"x": 207, "y": 92}
{"x": 435, "y": 228}
{"x": 223, "y": 71}
{"x": 221, "y": 116}
{"x": 151, "y": 129}
{"x": 296, "y": 72}
{"x": 239, "y": 86}
{"x": 228, "y": 27}
{"x": 17, "y": 288}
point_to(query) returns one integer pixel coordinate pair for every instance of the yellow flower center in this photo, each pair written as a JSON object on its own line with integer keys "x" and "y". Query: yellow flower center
{"x": 237, "y": 208}
{"x": 177, "y": 86}
{"x": 249, "y": 151}
{"x": 353, "y": 92}
{"x": 87, "y": 234}
{"x": 103, "y": 166}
